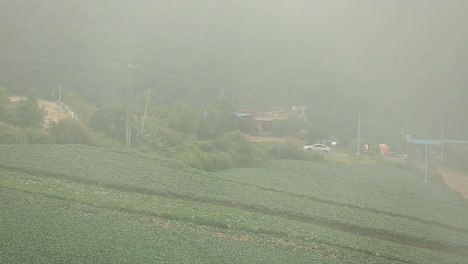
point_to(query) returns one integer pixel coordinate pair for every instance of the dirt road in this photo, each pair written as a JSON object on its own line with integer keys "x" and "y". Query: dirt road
{"x": 53, "y": 111}
{"x": 52, "y": 108}
{"x": 455, "y": 180}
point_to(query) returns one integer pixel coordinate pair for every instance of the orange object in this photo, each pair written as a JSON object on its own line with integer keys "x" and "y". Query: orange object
{"x": 384, "y": 149}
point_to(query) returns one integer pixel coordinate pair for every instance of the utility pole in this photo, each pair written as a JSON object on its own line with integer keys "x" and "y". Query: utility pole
{"x": 359, "y": 135}
{"x": 60, "y": 101}
{"x": 442, "y": 139}
{"x": 146, "y": 108}
{"x": 128, "y": 122}
{"x": 425, "y": 164}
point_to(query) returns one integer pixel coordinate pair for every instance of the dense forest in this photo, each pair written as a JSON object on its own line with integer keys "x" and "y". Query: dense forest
{"x": 399, "y": 64}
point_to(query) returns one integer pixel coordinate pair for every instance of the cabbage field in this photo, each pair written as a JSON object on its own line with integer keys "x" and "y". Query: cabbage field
{"x": 77, "y": 204}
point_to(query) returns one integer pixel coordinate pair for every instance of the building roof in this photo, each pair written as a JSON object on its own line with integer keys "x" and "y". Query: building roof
{"x": 435, "y": 142}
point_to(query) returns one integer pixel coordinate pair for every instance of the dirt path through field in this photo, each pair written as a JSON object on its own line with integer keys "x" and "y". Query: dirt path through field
{"x": 455, "y": 180}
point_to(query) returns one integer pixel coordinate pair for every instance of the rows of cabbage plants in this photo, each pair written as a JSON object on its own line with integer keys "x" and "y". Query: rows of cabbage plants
{"x": 43, "y": 230}
{"x": 160, "y": 176}
{"x": 75, "y": 198}
{"x": 391, "y": 190}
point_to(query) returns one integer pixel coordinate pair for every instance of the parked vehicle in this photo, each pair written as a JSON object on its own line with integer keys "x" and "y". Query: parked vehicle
{"x": 318, "y": 148}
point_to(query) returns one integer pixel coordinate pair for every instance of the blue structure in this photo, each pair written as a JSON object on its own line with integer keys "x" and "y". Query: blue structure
{"x": 435, "y": 142}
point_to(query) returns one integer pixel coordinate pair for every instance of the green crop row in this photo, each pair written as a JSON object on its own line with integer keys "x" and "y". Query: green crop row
{"x": 159, "y": 176}
{"x": 386, "y": 190}
{"x": 41, "y": 230}
{"x": 307, "y": 242}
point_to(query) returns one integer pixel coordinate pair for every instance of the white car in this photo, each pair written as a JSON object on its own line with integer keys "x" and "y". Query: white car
{"x": 318, "y": 148}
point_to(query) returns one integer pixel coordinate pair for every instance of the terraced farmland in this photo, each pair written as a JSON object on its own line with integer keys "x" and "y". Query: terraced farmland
{"x": 285, "y": 212}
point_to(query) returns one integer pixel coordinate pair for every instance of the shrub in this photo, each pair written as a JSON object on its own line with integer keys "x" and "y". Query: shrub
{"x": 287, "y": 150}
{"x": 27, "y": 112}
{"x": 69, "y": 131}
{"x": 104, "y": 140}
{"x": 229, "y": 151}
{"x": 38, "y": 136}
{"x": 291, "y": 150}
{"x": 191, "y": 157}
{"x": 12, "y": 135}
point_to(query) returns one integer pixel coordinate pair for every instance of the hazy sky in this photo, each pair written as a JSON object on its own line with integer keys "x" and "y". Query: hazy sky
{"x": 350, "y": 44}
{"x": 418, "y": 41}
{"x": 299, "y": 50}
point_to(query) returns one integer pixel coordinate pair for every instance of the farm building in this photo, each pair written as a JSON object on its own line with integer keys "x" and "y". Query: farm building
{"x": 436, "y": 147}
{"x": 258, "y": 120}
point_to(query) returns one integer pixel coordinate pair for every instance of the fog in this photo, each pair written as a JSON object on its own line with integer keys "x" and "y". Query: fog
{"x": 405, "y": 61}
{"x": 233, "y": 131}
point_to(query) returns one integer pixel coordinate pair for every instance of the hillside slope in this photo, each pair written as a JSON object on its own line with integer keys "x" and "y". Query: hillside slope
{"x": 307, "y": 212}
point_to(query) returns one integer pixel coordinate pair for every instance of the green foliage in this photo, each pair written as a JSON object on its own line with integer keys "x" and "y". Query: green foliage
{"x": 3, "y": 101}
{"x": 12, "y": 135}
{"x": 198, "y": 155}
{"x": 231, "y": 150}
{"x": 83, "y": 109}
{"x": 183, "y": 118}
{"x": 120, "y": 234}
{"x": 372, "y": 198}
{"x": 243, "y": 152}
{"x": 399, "y": 192}
{"x": 27, "y": 113}
{"x": 191, "y": 157}
{"x": 159, "y": 137}
{"x": 70, "y": 131}
{"x": 286, "y": 150}
{"x": 109, "y": 120}
{"x": 103, "y": 140}
{"x": 38, "y": 136}
{"x": 291, "y": 150}
{"x": 216, "y": 121}
{"x": 172, "y": 130}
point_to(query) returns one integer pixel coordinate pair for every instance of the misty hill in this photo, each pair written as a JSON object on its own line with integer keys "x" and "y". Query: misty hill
{"x": 402, "y": 64}
{"x": 96, "y": 204}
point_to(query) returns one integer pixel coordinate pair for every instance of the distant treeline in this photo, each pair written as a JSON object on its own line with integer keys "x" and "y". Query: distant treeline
{"x": 97, "y": 57}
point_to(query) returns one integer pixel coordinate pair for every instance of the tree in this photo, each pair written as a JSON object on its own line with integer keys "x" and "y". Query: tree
{"x": 3, "y": 101}
{"x": 216, "y": 121}
{"x": 27, "y": 112}
{"x": 183, "y": 118}
{"x": 109, "y": 120}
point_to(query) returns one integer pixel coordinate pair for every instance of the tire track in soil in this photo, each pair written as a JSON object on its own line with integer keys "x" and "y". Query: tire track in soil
{"x": 449, "y": 248}
{"x": 372, "y": 210}
{"x": 225, "y": 235}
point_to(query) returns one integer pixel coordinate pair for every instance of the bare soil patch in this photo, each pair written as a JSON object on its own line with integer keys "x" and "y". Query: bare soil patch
{"x": 455, "y": 180}
{"x": 53, "y": 109}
